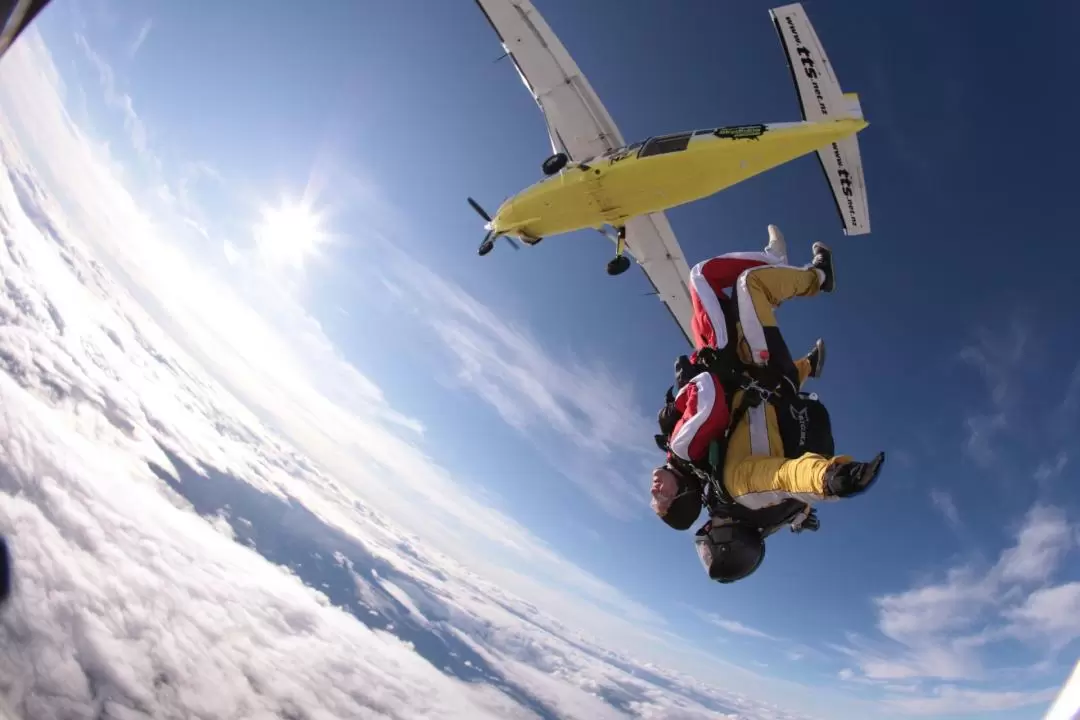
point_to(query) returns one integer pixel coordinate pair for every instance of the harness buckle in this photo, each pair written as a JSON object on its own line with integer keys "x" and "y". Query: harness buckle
{"x": 761, "y": 392}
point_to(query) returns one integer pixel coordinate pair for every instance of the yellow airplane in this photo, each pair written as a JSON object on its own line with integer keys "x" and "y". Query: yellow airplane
{"x": 596, "y": 180}
{"x": 657, "y": 174}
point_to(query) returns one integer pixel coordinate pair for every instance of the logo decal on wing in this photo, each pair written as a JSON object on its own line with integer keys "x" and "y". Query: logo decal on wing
{"x": 741, "y": 132}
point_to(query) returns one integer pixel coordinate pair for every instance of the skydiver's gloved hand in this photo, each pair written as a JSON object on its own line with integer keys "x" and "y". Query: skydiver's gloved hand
{"x": 685, "y": 370}
{"x": 807, "y": 520}
{"x": 849, "y": 479}
{"x": 708, "y": 356}
{"x": 667, "y": 419}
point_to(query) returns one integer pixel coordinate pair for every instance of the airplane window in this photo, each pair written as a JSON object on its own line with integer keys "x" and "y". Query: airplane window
{"x": 666, "y": 144}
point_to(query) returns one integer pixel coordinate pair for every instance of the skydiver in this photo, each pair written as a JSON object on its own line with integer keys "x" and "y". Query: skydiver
{"x": 777, "y": 457}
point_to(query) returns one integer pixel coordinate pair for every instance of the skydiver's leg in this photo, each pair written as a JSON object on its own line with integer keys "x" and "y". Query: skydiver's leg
{"x": 802, "y": 368}
{"x": 708, "y": 280}
{"x": 813, "y": 364}
{"x": 759, "y": 291}
{"x": 761, "y": 481}
{"x": 777, "y": 246}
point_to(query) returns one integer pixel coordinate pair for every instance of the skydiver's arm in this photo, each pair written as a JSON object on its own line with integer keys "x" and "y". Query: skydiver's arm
{"x": 703, "y": 417}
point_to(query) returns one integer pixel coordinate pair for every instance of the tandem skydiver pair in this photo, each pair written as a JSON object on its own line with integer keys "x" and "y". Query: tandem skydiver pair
{"x": 741, "y": 436}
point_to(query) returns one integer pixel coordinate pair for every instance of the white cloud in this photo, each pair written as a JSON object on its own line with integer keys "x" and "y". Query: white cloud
{"x": 118, "y": 100}
{"x": 116, "y": 385}
{"x": 581, "y": 413}
{"x": 122, "y": 599}
{"x": 603, "y": 440}
{"x": 951, "y": 700}
{"x": 997, "y": 357}
{"x": 1050, "y": 615}
{"x": 944, "y": 504}
{"x": 295, "y": 378}
{"x": 982, "y": 436}
{"x": 735, "y": 627}
{"x": 944, "y": 630}
{"x": 1049, "y": 471}
{"x": 144, "y": 32}
{"x": 1041, "y": 543}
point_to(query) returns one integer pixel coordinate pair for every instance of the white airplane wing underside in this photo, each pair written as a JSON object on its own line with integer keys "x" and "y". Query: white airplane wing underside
{"x": 652, "y": 242}
{"x": 577, "y": 123}
{"x": 821, "y": 99}
{"x": 580, "y": 126}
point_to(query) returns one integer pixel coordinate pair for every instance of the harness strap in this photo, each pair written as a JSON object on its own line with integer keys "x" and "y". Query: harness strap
{"x": 752, "y": 397}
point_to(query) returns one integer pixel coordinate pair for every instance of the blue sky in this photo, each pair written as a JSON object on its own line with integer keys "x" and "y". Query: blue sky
{"x": 535, "y": 377}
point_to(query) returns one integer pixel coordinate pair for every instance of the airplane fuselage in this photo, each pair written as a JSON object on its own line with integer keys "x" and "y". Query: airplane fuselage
{"x": 659, "y": 173}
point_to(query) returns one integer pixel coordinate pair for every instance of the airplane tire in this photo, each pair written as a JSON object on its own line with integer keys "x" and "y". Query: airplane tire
{"x": 618, "y": 265}
{"x": 486, "y": 247}
{"x": 555, "y": 163}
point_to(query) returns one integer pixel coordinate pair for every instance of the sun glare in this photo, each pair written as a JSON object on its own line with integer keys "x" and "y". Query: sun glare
{"x": 287, "y": 235}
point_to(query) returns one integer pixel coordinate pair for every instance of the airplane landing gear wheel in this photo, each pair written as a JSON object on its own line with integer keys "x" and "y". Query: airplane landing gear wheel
{"x": 485, "y": 247}
{"x": 618, "y": 265}
{"x": 555, "y": 163}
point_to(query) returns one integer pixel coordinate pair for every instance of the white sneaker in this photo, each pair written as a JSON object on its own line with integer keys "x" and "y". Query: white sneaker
{"x": 777, "y": 246}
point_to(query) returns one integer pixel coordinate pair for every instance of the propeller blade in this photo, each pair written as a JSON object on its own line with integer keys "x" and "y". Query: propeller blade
{"x": 512, "y": 243}
{"x": 479, "y": 210}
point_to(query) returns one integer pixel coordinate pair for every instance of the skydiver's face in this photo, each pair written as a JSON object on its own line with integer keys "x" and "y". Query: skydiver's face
{"x": 665, "y": 486}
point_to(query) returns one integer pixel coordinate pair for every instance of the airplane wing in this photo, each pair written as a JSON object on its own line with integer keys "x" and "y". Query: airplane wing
{"x": 652, "y": 242}
{"x": 579, "y": 125}
{"x": 821, "y": 98}
{"x": 16, "y": 16}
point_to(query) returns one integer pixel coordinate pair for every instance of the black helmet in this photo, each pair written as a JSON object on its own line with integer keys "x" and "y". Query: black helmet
{"x": 730, "y": 551}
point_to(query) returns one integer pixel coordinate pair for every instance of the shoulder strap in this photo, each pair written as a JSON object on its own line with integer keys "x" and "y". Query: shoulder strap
{"x": 751, "y": 397}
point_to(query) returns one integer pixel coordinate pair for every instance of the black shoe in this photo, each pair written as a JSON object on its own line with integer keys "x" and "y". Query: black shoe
{"x": 816, "y": 357}
{"x": 853, "y": 478}
{"x": 823, "y": 261}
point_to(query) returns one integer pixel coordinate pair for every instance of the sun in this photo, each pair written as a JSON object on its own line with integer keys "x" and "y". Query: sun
{"x": 287, "y": 235}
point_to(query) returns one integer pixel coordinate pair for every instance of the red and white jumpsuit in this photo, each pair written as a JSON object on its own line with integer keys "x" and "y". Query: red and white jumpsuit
{"x": 709, "y": 281}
